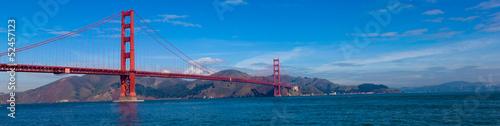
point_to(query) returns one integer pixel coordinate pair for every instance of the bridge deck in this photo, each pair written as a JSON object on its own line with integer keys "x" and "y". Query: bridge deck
{"x": 76, "y": 70}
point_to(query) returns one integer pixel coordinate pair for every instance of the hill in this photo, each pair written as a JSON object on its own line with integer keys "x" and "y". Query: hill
{"x": 454, "y": 86}
{"x": 90, "y": 88}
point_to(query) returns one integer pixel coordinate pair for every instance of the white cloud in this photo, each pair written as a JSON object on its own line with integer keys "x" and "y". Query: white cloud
{"x": 444, "y": 29}
{"x": 193, "y": 70}
{"x": 445, "y": 34}
{"x": 115, "y": 21}
{"x": 382, "y": 10}
{"x": 160, "y": 57}
{"x": 58, "y": 31}
{"x": 495, "y": 17}
{"x": 388, "y": 34}
{"x": 111, "y": 36}
{"x": 415, "y": 32}
{"x": 400, "y": 5}
{"x": 146, "y": 20}
{"x": 464, "y": 19}
{"x": 366, "y": 35}
{"x": 51, "y": 31}
{"x": 431, "y": 1}
{"x": 234, "y": 2}
{"x": 486, "y": 5}
{"x": 479, "y": 26}
{"x": 403, "y": 6}
{"x": 166, "y": 71}
{"x": 435, "y": 20}
{"x": 207, "y": 61}
{"x": 492, "y": 28}
{"x": 185, "y": 24}
{"x": 492, "y": 24}
{"x": 433, "y": 12}
{"x": 268, "y": 58}
{"x": 168, "y": 17}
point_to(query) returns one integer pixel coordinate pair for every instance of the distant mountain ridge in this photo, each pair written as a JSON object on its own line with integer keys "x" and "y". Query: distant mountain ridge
{"x": 90, "y": 88}
{"x": 454, "y": 86}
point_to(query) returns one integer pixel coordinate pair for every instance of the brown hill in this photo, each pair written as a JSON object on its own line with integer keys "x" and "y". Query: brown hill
{"x": 91, "y": 88}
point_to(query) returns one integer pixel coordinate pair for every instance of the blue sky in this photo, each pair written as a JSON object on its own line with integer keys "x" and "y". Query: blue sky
{"x": 424, "y": 42}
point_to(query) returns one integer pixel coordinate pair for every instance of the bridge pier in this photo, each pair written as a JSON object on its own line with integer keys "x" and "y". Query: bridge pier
{"x": 127, "y": 82}
{"x": 277, "y": 91}
{"x": 276, "y": 75}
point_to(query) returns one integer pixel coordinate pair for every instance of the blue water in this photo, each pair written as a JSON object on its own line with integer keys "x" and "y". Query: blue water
{"x": 374, "y": 109}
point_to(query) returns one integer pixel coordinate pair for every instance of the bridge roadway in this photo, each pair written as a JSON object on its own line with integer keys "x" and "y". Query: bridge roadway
{"x": 76, "y": 70}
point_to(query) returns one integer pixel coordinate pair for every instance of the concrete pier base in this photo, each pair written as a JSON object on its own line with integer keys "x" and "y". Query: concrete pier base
{"x": 128, "y": 99}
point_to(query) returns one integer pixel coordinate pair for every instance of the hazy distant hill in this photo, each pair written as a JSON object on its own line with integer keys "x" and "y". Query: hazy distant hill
{"x": 455, "y": 86}
{"x": 106, "y": 88}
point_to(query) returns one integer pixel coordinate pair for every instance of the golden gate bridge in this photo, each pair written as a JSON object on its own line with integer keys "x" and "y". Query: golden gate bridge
{"x": 93, "y": 50}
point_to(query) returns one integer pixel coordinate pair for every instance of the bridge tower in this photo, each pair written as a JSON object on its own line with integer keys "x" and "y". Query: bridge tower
{"x": 127, "y": 82}
{"x": 276, "y": 75}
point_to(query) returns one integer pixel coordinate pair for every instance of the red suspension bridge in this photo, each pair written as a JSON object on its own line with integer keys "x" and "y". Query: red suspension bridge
{"x": 93, "y": 50}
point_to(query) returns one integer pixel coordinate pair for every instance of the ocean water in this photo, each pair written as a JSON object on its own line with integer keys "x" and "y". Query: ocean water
{"x": 364, "y": 109}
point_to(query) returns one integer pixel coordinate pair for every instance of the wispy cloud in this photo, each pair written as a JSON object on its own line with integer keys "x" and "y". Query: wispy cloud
{"x": 207, "y": 61}
{"x": 168, "y": 18}
{"x": 415, "y": 32}
{"x": 410, "y": 78}
{"x": 59, "y": 31}
{"x": 146, "y": 20}
{"x": 445, "y": 29}
{"x": 464, "y": 19}
{"x": 448, "y": 34}
{"x": 492, "y": 23}
{"x": 433, "y": 12}
{"x": 392, "y": 34}
{"x": 479, "y": 26}
{"x": 421, "y": 33}
{"x": 395, "y": 56}
{"x": 388, "y": 34}
{"x": 234, "y": 2}
{"x": 486, "y": 5}
{"x": 435, "y": 20}
{"x": 431, "y": 1}
{"x": 160, "y": 57}
{"x": 403, "y": 6}
{"x": 53, "y": 31}
{"x": 495, "y": 17}
{"x": 111, "y": 36}
{"x": 268, "y": 58}
{"x": 492, "y": 27}
{"x": 115, "y": 21}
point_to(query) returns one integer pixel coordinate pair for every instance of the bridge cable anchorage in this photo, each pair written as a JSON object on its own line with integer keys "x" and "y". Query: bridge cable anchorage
{"x": 172, "y": 44}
